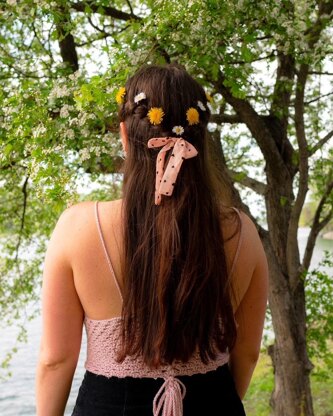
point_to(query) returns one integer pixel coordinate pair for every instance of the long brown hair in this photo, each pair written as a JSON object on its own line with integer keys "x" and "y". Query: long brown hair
{"x": 177, "y": 295}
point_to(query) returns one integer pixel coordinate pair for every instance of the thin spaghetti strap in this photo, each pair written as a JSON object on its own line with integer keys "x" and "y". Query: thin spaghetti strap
{"x": 240, "y": 238}
{"x": 105, "y": 250}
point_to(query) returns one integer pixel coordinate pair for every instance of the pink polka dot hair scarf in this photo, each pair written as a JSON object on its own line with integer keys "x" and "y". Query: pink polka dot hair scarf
{"x": 166, "y": 178}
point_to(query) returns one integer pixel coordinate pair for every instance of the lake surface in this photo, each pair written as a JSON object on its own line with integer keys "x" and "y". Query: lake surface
{"x": 17, "y": 394}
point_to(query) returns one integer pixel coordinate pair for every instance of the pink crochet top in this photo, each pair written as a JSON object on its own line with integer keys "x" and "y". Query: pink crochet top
{"x": 103, "y": 340}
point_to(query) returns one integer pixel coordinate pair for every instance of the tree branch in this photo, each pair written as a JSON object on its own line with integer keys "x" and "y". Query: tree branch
{"x": 107, "y": 10}
{"x": 320, "y": 143}
{"x": 226, "y": 179}
{"x": 293, "y": 261}
{"x": 16, "y": 69}
{"x": 261, "y": 58}
{"x": 218, "y": 161}
{"x": 279, "y": 110}
{"x": 91, "y": 41}
{"x": 130, "y": 7}
{"x": 41, "y": 43}
{"x": 66, "y": 41}
{"x": 279, "y": 177}
{"x": 47, "y": 66}
{"x": 318, "y": 98}
{"x": 96, "y": 27}
{"x": 257, "y": 186}
{"x": 225, "y": 118}
{"x": 50, "y": 31}
{"x": 25, "y": 197}
{"x": 292, "y": 251}
{"x": 282, "y": 91}
{"x": 257, "y": 126}
{"x": 321, "y": 73}
{"x": 317, "y": 226}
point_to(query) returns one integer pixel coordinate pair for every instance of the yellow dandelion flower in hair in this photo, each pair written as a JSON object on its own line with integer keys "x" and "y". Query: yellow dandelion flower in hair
{"x": 120, "y": 95}
{"x": 192, "y": 116}
{"x": 155, "y": 115}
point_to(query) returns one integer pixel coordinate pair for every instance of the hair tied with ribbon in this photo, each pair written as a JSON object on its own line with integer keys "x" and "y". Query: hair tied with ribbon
{"x": 166, "y": 177}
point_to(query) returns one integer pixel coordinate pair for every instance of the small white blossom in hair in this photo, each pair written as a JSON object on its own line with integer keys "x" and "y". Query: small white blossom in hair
{"x": 139, "y": 97}
{"x": 201, "y": 106}
{"x": 178, "y": 130}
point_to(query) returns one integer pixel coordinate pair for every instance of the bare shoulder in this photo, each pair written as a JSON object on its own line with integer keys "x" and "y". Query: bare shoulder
{"x": 238, "y": 226}
{"x": 68, "y": 226}
{"x": 250, "y": 230}
{"x": 251, "y": 242}
{"x": 82, "y": 213}
{"x": 75, "y": 213}
{"x": 78, "y": 222}
{"x": 244, "y": 250}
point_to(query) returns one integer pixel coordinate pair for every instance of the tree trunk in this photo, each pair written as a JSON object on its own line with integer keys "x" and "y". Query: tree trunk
{"x": 291, "y": 365}
{"x": 66, "y": 40}
{"x": 292, "y": 392}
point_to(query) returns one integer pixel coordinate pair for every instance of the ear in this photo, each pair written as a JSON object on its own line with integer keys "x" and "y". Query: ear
{"x": 124, "y": 136}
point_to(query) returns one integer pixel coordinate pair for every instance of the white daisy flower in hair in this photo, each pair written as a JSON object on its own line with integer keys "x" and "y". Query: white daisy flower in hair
{"x": 139, "y": 97}
{"x": 178, "y": 130}
{"x": 201, "y": 106}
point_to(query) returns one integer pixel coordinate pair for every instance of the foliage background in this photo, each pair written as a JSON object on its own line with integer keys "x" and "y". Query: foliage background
{"x": 62, "y": 63}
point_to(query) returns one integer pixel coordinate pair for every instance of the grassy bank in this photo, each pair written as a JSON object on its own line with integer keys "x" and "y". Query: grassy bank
{"x": 257, "y": 398}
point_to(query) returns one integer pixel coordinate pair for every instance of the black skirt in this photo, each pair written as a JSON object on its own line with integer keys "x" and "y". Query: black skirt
{"x": 207, "y": 394}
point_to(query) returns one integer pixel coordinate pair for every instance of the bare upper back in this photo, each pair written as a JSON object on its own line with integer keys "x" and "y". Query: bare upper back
{"x": 92, "y": 276}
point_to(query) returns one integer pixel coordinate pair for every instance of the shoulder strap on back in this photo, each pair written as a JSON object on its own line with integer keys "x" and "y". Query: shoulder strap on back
{"x": 240, "y": 238}
{"x": 105, "y": 250}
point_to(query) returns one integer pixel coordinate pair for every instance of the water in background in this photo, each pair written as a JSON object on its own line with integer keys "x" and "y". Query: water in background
{"x": 17, "y": 395}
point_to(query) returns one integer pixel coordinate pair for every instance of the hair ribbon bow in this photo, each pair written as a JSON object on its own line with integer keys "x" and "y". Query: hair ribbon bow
{"x": 166, "y": 178}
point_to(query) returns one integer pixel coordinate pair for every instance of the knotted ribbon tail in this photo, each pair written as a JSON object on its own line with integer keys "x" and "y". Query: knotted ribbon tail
{"x": 166, "y": 178}
{"x": 158, "y": 198}
{"x": 169, "y": 398}
{"x": 167, "y": 144}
